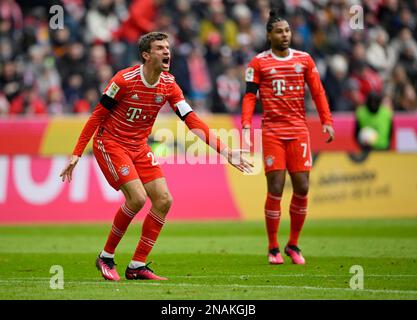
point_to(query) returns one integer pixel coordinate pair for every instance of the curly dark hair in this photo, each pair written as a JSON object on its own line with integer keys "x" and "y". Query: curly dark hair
{"x": 273, "y": 17}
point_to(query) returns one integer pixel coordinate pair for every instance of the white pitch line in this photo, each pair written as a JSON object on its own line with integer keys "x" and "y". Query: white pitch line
{"x": 144, "y": 283}
{"x": 299, "y": 275}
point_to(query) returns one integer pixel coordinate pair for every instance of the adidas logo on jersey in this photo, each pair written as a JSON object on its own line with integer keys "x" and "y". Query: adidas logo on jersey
{"x": 273, "y": 71}
{"x": 135, "y": 96}
{"x": 307, "y": 163}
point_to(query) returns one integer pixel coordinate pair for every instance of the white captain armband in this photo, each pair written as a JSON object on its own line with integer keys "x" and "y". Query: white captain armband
{"x": 183, "y": 108}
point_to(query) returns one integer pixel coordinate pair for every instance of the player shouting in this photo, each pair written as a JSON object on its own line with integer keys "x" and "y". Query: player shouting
{"x": 123, "y": 121}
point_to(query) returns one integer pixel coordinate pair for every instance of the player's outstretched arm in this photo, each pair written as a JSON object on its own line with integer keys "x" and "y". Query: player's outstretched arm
{"x": 90, "y": 127}
{"x": 66, "y": 173}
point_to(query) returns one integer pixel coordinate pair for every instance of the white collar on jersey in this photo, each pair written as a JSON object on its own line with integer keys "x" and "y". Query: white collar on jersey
{"x": 290, "y": 54}
{"x": 144, "y": 80}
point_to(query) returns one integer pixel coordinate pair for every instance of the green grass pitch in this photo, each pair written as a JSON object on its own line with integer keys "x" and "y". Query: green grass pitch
{"x": 215, "y": 260}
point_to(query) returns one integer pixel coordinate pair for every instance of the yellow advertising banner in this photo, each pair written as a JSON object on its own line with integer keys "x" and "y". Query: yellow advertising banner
{"x": 384, "y": 184}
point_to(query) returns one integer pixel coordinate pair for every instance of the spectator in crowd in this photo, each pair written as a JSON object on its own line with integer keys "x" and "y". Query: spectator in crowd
{"x": 60, "y": 42}
{"x": 102, "y": 21}
{"x": 55, "y": 102}
{"x": 11, "y": 20}
{"x": 87, "y": 103}
{"x": 75, "y": 12}
{"x": 243, "y": 17}
{"x": 379, "y": 55}
{"x": 187, "y": 28}
{"x": 260, "y": 16}
{"x": 213, "y": 47}
{"x": 218, "y": 22}
{"x": 73, "y": 89}
{"x": 403, "y": 39}
{"x": 336, "y": 84}
{"x": 408, "y": 60}
{"x": 28, "y": 102}
{"x": 10, "y": 80}
{"x": 407, "y": 98}
{"x": 104, "y": 74}
{"x": 229, "y": 91}
{"x": 40, "y": 71}
{"x": 400, "y": 90}
{"x": 6, "y": 50}
{"x": 199, "y": 79}
{"x": 141, "y": 19}
{"x": 73, "y": 61}
{"x": 180, "y": 68}
{"x": 388, "y": 17}
{"x": 367, "y": 80}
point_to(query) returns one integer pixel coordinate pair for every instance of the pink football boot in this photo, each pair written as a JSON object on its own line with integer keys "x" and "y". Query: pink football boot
{"x": 295, "y": 254}
{"x": 107, "y": 268}
{"x": 142, "y": 273}
{"x": 274, "y": 256}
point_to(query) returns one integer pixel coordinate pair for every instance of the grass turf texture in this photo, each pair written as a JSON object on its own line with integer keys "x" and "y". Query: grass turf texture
{"x": 215, "y": 260}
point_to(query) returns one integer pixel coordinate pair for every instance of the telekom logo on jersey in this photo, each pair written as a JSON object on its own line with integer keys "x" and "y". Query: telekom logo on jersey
{"x": 279, "y": 86}
{"x": 135, "y": 113}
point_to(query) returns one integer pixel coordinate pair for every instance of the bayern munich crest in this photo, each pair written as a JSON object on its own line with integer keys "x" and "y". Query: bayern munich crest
{"x": 124, "y": 170}
{"x": 269, "y": 161}
{"x": 159, "y": 98}
{"x": 298, "y": 68}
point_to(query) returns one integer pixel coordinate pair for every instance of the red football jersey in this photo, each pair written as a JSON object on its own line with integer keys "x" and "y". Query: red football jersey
{"x": 281, "y": 84}
{"x": 129, "y": 106}
{"x": 138, "y": 103}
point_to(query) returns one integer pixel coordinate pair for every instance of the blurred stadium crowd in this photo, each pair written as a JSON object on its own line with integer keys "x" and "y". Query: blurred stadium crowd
{"x": 63, "y": 71}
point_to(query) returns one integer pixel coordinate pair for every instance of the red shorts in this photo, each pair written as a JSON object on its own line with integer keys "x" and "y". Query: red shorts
{"x": 120, "y": 166}
{"x": 294, "y": 154}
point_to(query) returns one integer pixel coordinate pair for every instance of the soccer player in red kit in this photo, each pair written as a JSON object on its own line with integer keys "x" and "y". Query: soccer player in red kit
{"x": 123, "y": 121}
{"x": 280, "y": 74}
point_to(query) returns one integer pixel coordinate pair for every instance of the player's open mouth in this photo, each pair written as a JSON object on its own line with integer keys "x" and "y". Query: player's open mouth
{"x": 165, "y": 62}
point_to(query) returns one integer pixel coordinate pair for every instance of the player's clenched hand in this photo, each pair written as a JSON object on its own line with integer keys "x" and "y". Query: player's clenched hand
{"x": 329, "y": 129}
{"x": 236, "y": 159}
{"x": 67, "y": 171}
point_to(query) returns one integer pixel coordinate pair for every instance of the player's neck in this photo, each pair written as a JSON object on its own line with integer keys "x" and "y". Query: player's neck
{"x": 281, "y": 53}
{"x": 151, "y": 75}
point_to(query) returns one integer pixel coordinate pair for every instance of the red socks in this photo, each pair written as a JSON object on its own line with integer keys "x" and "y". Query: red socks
{"x": 151, "y": 228}
{"x": 272, "y": 218}
{"x": 121, "y": 221}
{"x": 298, "y": 212}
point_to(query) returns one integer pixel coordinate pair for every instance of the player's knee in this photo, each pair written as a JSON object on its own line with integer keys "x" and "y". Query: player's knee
{"x": 137, "y": 202}
{"x": 275, "y": 189}
{"x": 163, "y": 203}
{"x": 301, "y": 188}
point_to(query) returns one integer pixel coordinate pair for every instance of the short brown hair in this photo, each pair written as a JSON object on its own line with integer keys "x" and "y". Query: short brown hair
{"x": 146, "y": 40}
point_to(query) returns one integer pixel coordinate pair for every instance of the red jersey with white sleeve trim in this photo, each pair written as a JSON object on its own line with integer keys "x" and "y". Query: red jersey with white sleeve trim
{"x": 281, "y": 84}
{"x": 137, "y": 105}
